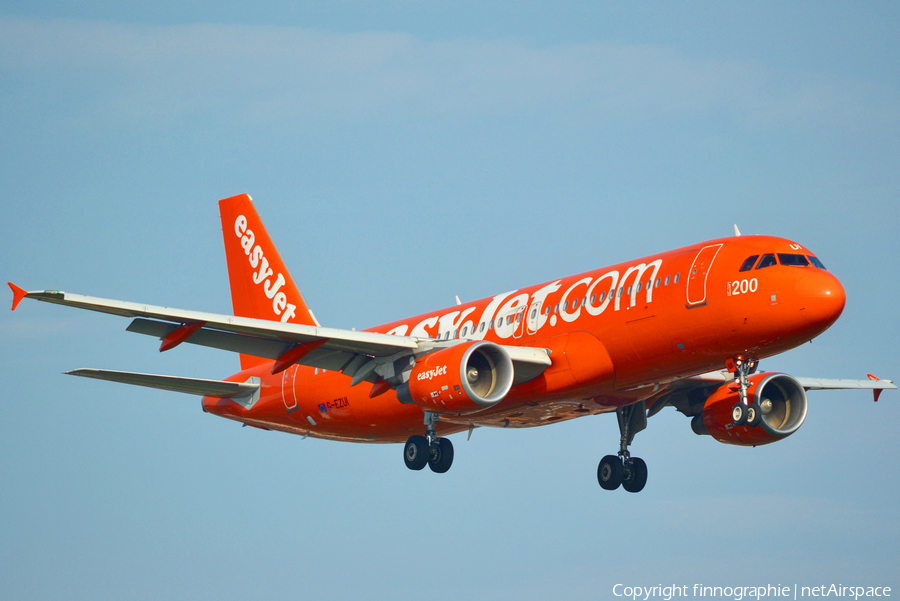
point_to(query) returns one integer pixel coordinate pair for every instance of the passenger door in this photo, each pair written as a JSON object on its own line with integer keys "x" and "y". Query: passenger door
{"x": 696, "y": 281}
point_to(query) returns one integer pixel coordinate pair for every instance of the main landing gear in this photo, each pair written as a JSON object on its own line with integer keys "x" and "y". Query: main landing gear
{"x": 743, "y": 412}
{"x": 623, "y": 469}
{"x": 436, "y": 452}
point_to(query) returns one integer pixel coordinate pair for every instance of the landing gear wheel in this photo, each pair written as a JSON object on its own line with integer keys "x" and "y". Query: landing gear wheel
{"x": 739, "y": 414}
{"x": 416, "y": 452}
{"x": 637, "y": 478}
{"x": 754, "y": 415}
{"x": 610, "y": 472}
{"x": 441, "y": 456}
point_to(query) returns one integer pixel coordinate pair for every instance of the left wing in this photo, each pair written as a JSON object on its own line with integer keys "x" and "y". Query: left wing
{"x": 872, "y": 383}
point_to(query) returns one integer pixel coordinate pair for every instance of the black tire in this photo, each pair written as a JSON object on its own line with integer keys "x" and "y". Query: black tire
{"x": 739, "y": 414}
{"x": 754, "y": 415}
{"x": 443, "y": 457}
{"x": 416, "y": 452}
{"x": 635, "y": 481}
{"x": 610, "y": 472}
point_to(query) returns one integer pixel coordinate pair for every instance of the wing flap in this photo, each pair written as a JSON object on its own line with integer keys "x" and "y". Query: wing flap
{"x": 201, "y": 387}
{"x": 528, "y": 354}
{"x": 325, "y": 357}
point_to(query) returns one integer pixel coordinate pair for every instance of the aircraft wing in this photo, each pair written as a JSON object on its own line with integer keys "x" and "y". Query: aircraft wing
{"x": 688, "y": 395}
{"x": 326, "y": 348}
{"x": 872, "y": 383}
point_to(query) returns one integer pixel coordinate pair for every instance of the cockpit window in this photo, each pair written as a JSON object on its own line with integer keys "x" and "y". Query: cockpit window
{"x": 749, "y": 263}
{"x": 815, "y": 261}
{"x": 795, "y": 260}
{"x": 766, "y": 261}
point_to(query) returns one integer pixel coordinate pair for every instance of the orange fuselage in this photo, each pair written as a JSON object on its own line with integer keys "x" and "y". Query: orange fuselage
{"x": 617, "y": 335}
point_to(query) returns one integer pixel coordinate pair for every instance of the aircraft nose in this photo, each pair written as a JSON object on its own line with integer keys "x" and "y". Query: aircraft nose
{"x": 822, "y": 297}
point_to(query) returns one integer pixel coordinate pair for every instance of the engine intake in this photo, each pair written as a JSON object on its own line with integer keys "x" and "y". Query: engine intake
{"x": 464, "y": 378}
{"x": 782, "y": 402}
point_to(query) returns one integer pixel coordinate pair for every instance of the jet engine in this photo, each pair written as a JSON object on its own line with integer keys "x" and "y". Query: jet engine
{"x": 782, "y": 403}
{"x": 462, "y": 379}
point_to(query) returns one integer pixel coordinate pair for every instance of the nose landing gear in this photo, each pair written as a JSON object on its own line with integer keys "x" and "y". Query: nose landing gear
{"x": 743, "y": 412}
{"x": 624, "y": 470}
{"x": 436, "y": 452}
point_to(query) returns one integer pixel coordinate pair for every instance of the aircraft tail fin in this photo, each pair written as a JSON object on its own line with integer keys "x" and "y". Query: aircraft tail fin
{"x": 261, "y": 286}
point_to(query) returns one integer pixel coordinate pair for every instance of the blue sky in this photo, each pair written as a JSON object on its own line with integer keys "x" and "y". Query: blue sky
{"x": 401, "y": 155}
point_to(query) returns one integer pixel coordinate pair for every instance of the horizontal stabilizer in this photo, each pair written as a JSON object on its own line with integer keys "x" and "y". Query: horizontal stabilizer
{"x": 196, "y": 386}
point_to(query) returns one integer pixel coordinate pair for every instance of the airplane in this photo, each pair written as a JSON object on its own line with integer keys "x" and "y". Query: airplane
{"x": 628, "y": 339}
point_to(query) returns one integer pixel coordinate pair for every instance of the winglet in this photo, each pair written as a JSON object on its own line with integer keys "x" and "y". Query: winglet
{"x": 18, "y": 295}
{"x": 876, "y": 391}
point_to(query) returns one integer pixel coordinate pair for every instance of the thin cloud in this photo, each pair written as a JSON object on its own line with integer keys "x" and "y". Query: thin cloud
{"x": 255, "y": 74}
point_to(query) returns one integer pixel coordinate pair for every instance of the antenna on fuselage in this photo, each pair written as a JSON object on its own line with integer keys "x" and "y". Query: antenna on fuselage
{"x": 737, "y": 232}
{"x": 457, "y": 300}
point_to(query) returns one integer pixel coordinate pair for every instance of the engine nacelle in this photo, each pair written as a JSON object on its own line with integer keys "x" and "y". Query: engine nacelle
{"x": 462, "y": 379}
{"x": 782, "y": 402}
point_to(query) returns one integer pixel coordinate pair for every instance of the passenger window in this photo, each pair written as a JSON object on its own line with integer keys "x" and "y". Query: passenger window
{"x": 639, "y": 287}
{"x": 547, "y": 310}
{"x": 566, "y": 306}
{"x": 815, "y": 261}
{"x": 657, "y": 283}
{"x": 667, "y": 281}
{"x": 465, "y": 330}
{"x": 630, "y": 287}
{"x": 447, "y": 335}
{"x": 519, "y": 316}
{"x": 621, "y": 290}
{"x": 556, "y": 308}
{"x": 481, "y": 327}
{"x": 602, "y": 296}
{"x": 583, "y": 301}
{"x": 456, "y": 333}
{"x": 748, "y": 263}
{"x": 593, "y": 298}
{"x": 675, "y": 281}
{"x": 574, "y": 304}
{"x": 491, "y": 327}
{"x": 793, "y": 260}
{"x": 766, "y": 261}
{"x": 533, "y": 313}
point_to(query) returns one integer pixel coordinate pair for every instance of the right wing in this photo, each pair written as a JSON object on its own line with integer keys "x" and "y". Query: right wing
{"x": 327, "y": 348}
